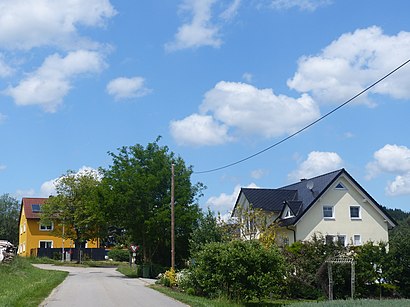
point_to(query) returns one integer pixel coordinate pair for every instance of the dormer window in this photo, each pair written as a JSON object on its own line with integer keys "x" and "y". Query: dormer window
{"x": 35, "y": 208}
{"x": 288, "y": 213}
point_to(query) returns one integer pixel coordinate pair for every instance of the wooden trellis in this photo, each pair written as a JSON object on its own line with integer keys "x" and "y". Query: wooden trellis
{"x": 340, "y": 260}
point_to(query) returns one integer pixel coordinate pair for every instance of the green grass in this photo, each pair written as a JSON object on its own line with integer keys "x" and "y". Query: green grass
{"x": 195, "y": 301}
{"x": 350, "y": 303}
{"x": 128, "y": 271}
{"x": 24, "y": 285}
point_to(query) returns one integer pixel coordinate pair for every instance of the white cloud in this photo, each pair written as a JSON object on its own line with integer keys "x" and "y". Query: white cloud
{"x": 304, "y": 5}
{"x": 5, "y": 69}
{"x": 248, "y": 77}
{"x": 246, "y": 110}
{"x": 317, "y": 163}
{"x": 25, "y": 193}
{"x": 353, "y": 62}
{"x": 52, "y": 81}
{"x": 49, "y": 187}
{"x": 231, "y": 11}
{"x": 258, "y": 173}
{"x": 224, "y": 203}
{"x": 200, "y": 31}
{"x": 25, "y": 24}
{"x": 2, "y": 167}
{"x": 400, "y": 185}
{"x": 391, "y": 159}
{"x": 125, "y": 88}
{"x": 198, "y": 130}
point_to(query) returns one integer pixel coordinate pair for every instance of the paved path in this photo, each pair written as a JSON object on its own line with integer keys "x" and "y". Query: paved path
{"x": 103, "y": 287}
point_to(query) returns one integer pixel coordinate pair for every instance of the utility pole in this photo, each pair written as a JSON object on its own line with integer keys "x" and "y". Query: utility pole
{"x": 172, "y": 219}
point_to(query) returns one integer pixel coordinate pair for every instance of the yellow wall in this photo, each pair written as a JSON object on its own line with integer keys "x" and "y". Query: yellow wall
{"x": 31, "y": 235}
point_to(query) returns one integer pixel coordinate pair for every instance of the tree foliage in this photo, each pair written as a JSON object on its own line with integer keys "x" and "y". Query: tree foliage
{"x": 9, "y": 219}
{"x": 239, "y": 270}
{"x": 137, "y": 186}
{"x": 207, "y": 230}
{"x": 76, "y": 210}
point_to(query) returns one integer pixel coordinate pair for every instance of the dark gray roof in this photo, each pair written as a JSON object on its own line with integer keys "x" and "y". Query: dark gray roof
{"x": 299, "y": 196}
{"x": 268, "y": 199}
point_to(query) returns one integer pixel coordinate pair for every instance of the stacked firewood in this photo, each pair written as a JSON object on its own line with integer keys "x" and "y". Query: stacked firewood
{"x": 7, "y": 251}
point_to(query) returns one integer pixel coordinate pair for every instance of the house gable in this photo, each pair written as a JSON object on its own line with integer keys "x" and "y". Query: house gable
{"x": 329, "y": 204}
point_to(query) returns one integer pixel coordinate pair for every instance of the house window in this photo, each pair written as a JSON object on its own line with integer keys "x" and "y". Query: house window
{"x": 288, "y": 213}
{"x": 340, "y": 186}
{"x": 44, "y": 227}
{"x": 357, "y": 240}
{"x": 35, "y": 208}
{"x": 328, "y": 212}
{"x": 355, "y": 212}
{"x": 46, "y": 244}
{"x": 24, "y": 247}
{"x": 285, "y": 241}
{"x": 341, "y": 239}
{"x": 329, "y": 239}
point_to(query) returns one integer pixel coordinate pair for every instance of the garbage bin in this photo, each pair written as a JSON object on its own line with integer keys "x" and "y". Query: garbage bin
{"x": 146, "y": 270}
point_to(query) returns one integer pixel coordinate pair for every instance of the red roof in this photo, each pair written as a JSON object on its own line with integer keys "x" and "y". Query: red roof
{"x": 28, "y": 209}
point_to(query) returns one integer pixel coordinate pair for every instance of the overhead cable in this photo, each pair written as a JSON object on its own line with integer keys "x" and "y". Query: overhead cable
{"x": 307, "y": 126}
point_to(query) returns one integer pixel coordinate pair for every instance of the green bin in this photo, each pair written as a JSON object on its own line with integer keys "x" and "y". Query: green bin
{"x": 146, "y": 270}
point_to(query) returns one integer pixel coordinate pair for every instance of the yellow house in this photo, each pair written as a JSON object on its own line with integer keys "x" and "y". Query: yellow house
{"x": 34, "y": 235}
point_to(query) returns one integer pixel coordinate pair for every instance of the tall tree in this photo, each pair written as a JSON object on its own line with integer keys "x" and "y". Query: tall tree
{"x": 76, "y": 209}
{"x": 9, "y": 219}
{"x": 138, "y": 187}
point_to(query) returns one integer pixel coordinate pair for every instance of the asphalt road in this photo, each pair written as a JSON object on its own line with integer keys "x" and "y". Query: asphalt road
{"x": 103, "y": 287}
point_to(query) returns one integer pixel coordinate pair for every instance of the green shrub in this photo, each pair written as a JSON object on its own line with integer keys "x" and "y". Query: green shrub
{"x": 238, "y": 270}
{"x": 119, "y": 254}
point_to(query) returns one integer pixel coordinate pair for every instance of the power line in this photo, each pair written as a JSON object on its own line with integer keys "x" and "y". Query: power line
{"x": 307, "y": 126}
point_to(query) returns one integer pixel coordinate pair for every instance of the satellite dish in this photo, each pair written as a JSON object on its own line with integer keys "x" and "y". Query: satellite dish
{"x": 310, "y": 185}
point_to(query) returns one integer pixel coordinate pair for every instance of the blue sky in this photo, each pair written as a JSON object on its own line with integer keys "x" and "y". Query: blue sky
{"x": 218, "y": 80}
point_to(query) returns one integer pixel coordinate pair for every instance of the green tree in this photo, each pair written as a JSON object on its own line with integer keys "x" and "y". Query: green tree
{"x": 399, "y": 258}
{"x": 138, "y": 185}
{"x": 208, "y": 230}
{"x": 9, "y": 219}
{"x": 76, "y": 210}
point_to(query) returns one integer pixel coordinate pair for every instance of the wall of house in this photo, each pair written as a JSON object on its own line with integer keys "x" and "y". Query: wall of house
{"x": 371, "y": 226}
{"x": 31, "y": 235}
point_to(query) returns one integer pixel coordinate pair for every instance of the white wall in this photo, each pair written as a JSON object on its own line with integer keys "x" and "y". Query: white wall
{"x": 371, "y": 226}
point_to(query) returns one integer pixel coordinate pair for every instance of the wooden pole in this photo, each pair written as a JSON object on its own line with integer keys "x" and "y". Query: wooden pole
{"x": 172, "y": 219}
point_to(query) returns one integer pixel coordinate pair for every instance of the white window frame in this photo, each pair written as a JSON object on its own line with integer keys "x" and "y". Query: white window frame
{"x": 46, "y": 241}
{"x": 43, "y": 227}
{"x": 288, "y": 213}
{"x": 359, "y": 242}
{"x": 342, "y": 188}
{"x": 328, "y": 217}
{"x": 355, "y": 217}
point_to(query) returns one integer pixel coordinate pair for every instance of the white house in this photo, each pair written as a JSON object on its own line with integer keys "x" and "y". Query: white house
{"x": 333, "y": 205}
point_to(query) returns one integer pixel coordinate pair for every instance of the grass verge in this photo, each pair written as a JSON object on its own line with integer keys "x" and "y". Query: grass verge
{"x": 128, "y": 271}
{"x": 195, "y": 301}
{"x": 25, "y": 285}
{"x": 354, "y": 303}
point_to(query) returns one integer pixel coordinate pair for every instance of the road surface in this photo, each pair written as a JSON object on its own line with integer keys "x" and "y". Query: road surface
{"x": 103, "y": 287}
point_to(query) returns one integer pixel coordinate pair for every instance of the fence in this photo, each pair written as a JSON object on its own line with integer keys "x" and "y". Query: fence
{"x": 70, "y": 253}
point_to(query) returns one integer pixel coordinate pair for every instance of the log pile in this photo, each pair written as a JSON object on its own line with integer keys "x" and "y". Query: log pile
{"x": 7, "y": 251}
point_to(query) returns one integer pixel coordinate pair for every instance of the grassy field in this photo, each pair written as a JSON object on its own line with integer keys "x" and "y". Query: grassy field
{"x": 196, "y": 301}
{"x": 24, "y": 285}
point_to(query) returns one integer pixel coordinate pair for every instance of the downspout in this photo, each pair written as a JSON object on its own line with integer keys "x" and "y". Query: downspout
{"x": 294, "y": 233}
